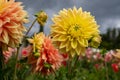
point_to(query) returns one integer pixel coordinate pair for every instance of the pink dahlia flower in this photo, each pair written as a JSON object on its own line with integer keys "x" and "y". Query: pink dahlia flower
{"x": 12, "y": 17}
{"x": 50, "y": 59}
{"x": 108, "y": 57}
{"x": 8, "y": 54}
{"x": 26, "y": 51}
{"x": 89, "y": 53}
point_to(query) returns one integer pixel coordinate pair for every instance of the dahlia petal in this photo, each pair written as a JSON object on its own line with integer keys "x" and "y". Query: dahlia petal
{"x": 30, "y": 40}
{"x": 72, "y": 52}
{"x": 82, "y": 42}
{"x": 68, "y": 47}
{"x": 1, "y": 23}
{"x": 62, "y": 38}
{"x": 58, "y": 31}
{"x": 62, "y": 45}
{"x": 74, "y": 44}
{"x": 78, "y": 50}
{"x": 1, "y": 30}
{"x": 5, "y": 37}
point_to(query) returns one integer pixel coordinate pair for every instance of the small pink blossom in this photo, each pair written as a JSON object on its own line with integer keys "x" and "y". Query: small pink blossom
{"x": 8, "y": 54}
{"x": 108, "y": 57}
{"x": 89, "y": 53}
{"x": 97, "y": 56}
{"x": 26, "y": 51}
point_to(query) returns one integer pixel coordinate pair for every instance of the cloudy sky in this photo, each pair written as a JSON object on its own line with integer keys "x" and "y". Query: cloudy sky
{"x": 106, "y": 12}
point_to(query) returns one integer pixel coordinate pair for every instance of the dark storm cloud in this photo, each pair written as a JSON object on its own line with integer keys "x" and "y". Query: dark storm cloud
{"x": 106, "y": 12}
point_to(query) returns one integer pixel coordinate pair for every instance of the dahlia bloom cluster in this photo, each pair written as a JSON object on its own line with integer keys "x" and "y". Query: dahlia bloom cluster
{"x": 111, "y": 57}
{"x": 45, "y": 58}
{"x": 73, "y": 30}
{"x": 95, "y": 54}
{"x": 12, "y": 17}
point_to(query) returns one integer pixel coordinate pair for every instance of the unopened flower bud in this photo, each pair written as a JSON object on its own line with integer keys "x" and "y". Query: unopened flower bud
{"x": 95, "y": 41}
{"x": 41, "y": 17}
{"x": 36, "y": 54}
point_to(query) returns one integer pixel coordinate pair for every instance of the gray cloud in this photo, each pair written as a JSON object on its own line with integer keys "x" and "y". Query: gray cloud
{"x": 106, "y": 12}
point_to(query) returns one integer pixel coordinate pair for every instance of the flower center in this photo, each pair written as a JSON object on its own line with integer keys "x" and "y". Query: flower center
{"x": 74, "y": 30}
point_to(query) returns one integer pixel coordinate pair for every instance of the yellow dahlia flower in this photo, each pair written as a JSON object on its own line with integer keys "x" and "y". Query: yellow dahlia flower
{"x": 12, "y": 17}
{"x": 72, "y": 30}
{"x": 37, "y": 41}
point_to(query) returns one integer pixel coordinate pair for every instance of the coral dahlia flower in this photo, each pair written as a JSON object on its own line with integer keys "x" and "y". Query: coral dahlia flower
{"x": 72, "y": 30}
{"x": 12, "y": 17}
{"x": 50, "y": 59}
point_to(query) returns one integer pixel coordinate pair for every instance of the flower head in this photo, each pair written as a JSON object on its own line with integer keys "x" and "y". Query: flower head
{"x": 115, "y": 67}
{"x": 72, "y": 30}
{"x": 116, "y": 54}
{"x": 37, "y": 41}
{"x": 12, "y": 17}
{"x": 8, "y": 54}
{"x": 26, "y": 51}
{"x": 42, "y": 55}
{"x": 89, "y": 53}
{"x": 108, "y": 57}
{"x": 95, "y": 41}
{"x": 41, "y": 18}
{"x": 50, "y": 58}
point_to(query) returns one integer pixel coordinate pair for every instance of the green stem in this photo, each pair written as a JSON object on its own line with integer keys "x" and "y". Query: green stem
{"x": 107, "y": 77}
{"x": 74, "y": 66}
{"x": 16, "y": 59}
{"x": 76, "y": 60}
{"x": 1, "y": 64}
{"x": 41, "y": 28}
{"x": 69, "y": 67}
{"x": 31, "y": 27}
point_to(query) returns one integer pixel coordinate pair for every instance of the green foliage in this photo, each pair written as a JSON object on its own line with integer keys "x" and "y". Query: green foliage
{"x": 111, "y": 40}
{"x": 82, "y": 69}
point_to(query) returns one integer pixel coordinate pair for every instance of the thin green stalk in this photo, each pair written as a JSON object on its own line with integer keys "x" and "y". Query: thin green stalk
{"x": 1, "y": 64}
{"x": 74, "y": 66}
{"x": 69, "y": 67}
{"x": 106, "y": 68}
{"x": 16, "y": 59}
{"x": 15, "y": 70}
{"x": 41, "y": 28}
{"x": 76, "y": 60}
{"x": 31, "y": 27}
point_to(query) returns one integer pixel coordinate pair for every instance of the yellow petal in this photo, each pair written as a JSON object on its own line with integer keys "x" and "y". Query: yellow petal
{"x": 83, "y": 42}
{"x": 62, "y": 38}
{"x": 74, "y": 44}
{"x": 72, "y": 52}
{"x": 5, "y": 37}
{"x": 68, "y": 47}
{"x": 78, "y": 49}
{"x": 63, "y": 44}
{"x": 30, "y": 40}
